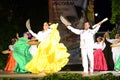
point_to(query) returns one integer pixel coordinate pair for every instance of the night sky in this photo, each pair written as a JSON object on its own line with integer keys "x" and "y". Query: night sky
{"x": 103, "y": 8}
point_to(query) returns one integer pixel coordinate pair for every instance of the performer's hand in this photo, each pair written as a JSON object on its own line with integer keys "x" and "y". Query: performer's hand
{"x": 106, "y": 35}
{"x": 28, "y": 24}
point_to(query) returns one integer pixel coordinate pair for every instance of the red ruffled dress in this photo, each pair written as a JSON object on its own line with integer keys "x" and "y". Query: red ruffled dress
{"x": 99, "y": 59}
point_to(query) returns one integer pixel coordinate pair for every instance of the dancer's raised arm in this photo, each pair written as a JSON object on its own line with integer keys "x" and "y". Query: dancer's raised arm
{"x": 99, "y": 23}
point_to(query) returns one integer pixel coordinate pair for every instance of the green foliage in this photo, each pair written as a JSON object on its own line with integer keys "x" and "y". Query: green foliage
{"x": 76, "y": 76}
{"x": 7, "y": 79}
{"x": 115, "y": 10}
{"x": 70, "y": 76}
{"x": 64, "y": 76}
{"x": 108, "y": 76}
{"x": 113, "y": 32}
{"x": 51, "y": 77}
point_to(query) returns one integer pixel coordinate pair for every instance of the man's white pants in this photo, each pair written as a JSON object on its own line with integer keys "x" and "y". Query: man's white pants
{"x": 87, "y": 56}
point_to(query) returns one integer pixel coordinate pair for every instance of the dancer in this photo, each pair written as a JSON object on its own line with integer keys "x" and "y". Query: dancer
{"x": 115, "y": 49}
{"x": 117, "y": 64}
{"x": 41, "y": 34}
{"x": 22, "y": 54}
{"x": 51, "y": 56}
{"x": 99, "y": 59}
{"x": 34, "y": 43}
{"x": 10, "y": 61}
{"x": 86, "y": 42}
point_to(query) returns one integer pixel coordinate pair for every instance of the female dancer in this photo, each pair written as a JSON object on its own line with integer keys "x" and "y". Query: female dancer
{"x": 10, "y": 61}
{"x": 22, "y": 54}
{"x": 51, "y": 55}
{"x": 99, "y": 59}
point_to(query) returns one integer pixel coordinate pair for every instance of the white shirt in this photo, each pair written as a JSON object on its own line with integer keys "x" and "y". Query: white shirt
{"x": 86, "y": 36}
{"x": 11, "y": 47}
{"x": 111, "y": 40}
{"x": 41, "y": 34}
{"x": 100, "y": 45}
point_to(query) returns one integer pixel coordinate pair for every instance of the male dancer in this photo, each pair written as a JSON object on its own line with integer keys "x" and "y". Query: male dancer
{"x": 86, "y": 41}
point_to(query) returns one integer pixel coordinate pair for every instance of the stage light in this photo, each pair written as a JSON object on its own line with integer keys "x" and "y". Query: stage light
{"x": 96, "y": 14}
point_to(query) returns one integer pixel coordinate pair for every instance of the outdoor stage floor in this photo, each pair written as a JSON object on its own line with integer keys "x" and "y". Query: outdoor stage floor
{"x": 31, "y": 75}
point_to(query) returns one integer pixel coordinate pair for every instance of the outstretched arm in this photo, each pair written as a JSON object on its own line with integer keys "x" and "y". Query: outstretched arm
{"x": 97, "y": 26}
{"x": 104, "y": 20}
{"x": 68, "y": 25}
{"x": 107, "y": 37}
{"x": 29, "y": 28}
{"x": 99, "y": 23}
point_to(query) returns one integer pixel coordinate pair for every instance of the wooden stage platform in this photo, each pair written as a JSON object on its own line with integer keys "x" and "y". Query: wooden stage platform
{"x": 31, "y": 75}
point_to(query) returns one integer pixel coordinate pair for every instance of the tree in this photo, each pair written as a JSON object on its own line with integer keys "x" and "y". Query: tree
{"x": 115, "y": 19}
{"x": 115, "y": 11}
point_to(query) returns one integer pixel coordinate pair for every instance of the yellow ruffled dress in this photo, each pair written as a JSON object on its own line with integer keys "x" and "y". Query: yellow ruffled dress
{"x": 51, "y": 56}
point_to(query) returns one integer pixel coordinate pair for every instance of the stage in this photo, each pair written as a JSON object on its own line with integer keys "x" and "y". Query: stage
{"x": 36, "y": 76}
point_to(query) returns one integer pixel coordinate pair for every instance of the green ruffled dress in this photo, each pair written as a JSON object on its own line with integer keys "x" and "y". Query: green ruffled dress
{"x": 22, "y": 55}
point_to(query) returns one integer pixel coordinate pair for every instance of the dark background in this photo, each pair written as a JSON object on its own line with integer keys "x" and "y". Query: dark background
{"x": 16, "y": 12}
{"x": 20, "y": 10}
{"x": 13, "y": 15}
{"x": 104, "y": 9}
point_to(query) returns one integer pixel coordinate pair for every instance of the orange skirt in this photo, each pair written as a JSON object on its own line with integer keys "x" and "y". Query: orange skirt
{"x": 10, "y": 63}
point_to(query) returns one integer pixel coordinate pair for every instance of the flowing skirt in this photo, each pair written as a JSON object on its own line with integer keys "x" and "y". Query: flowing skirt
{"x": 51, "y": 55}
{"x": 10, "y": 63}
{"x": 99, "y": 61}
{"x": 117, "y": 65}
{"x": 22, "y": 55}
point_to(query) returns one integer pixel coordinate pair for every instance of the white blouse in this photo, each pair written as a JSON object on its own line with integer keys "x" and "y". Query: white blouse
{"x": 100, "y": 45}
{"x": 41, "y": 34}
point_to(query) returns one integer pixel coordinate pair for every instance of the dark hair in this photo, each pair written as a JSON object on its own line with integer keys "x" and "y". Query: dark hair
{"x": 100, "y": 37}
{"x": 13, "y": 40}
{"x": 85, "y": 22}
